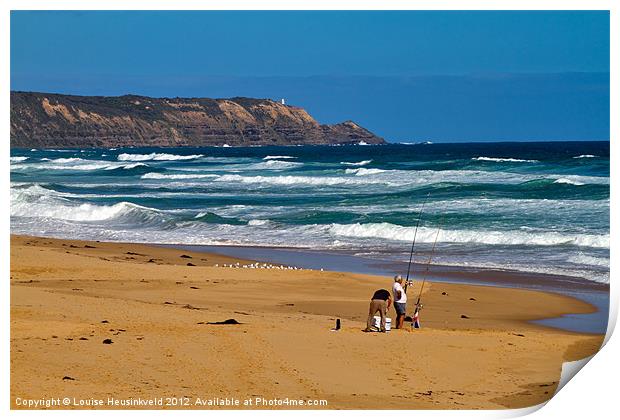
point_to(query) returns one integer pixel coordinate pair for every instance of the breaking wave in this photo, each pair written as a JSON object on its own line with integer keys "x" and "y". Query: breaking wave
{"x": 364, "y": 171}
{"x": 156, "y": 156}
{"x": 156, "y": 175}
{"x": 67, "y": 160}
{"x": 76, "y": 164}
{"x": 36, "y": 201}
{"x": 360, "y": 163}
{"x": 568, "y": 181}
{"x": 402, "y": 233}
{"x": 492, "y": 159}
{"x": 278, "y": 157}
{"x": 294, "y": 180}
{"x": 275, "y": 164}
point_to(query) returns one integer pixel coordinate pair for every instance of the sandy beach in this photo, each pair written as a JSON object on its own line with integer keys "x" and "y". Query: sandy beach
{"x": 476, "y": 349}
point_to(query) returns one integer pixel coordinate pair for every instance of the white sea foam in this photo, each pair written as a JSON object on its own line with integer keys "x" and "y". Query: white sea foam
{"x": 363, "y": 143}
{"x": 360, "y": 163}
{"x": 403, "y": 178}
{"x": 584, "y": 156}
{"x": 568, "y": 181}
{"x": 156, "y": 156}
{"x": 127, "y": 166}
{"x": 492, "y": 159}
{"x": 18, "y": 158}
{"x": 513, "y": 237}
{"x": 275, "y": 164}
{"x": 278, "y": 157}
{"x": 364, "y": 171}
{"x": 67, "y": 160}
{"x": 293, "y": 180}
{"x": 258, "y": 222}
{"x": 157, "y": 175}
{"x": 595, "y": 276}
{"x": 74, "y": 164}
{"x": 37, "y": 201}
{"x": 589, "y": 260}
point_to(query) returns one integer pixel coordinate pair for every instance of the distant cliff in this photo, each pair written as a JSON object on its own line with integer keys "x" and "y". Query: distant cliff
{"x": 49, "y": 120}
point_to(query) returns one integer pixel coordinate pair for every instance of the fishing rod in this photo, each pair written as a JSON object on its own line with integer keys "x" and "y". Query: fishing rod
{"x": 418, "y": 306}
{"x": 415, "y": 233}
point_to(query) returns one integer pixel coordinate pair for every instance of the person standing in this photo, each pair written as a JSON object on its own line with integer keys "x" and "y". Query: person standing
{"x": 400, "y": 300}
{"x": 380, "y": 302}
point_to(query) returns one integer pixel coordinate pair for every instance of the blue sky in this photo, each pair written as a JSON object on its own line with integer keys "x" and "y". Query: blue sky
{"x": 452, "y": 76}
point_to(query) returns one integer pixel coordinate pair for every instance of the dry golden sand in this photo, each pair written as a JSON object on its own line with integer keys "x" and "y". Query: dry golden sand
{"x": 68, "y": 296}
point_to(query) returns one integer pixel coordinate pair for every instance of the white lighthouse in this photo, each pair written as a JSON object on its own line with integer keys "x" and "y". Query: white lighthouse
{"x": 282, "y": 101}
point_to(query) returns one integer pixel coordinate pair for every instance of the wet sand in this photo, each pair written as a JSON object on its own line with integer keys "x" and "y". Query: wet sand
{"x": 477, "y": 348}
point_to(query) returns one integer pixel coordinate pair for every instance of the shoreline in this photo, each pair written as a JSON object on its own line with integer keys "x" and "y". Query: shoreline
{"x": 62, "y": 291}
{"x": 590, "y": 292}
{"x": 376, "y": 266}
{"x": 455, "y": 273}
{"x": 596, "y": 294}
{"x": 593, "y": 293}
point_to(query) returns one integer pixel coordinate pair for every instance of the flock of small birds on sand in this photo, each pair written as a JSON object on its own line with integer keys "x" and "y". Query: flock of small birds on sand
{"x": 264, "y": 266}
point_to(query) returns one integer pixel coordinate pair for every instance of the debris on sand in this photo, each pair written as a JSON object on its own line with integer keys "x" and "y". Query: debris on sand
{"x": 190, "y": 265}
{"x": 186, "y": 256}
{"x": 472, "y": 299}
{"x": 68, "y": 378}
{"x": 89, "y": 246}
{"x": 107, "y": 341}
{"x": 231, "y": 321}
{"x": 337, "y": 327}
{"x": 464, "y": 317}
{"x": 105, "y": 321}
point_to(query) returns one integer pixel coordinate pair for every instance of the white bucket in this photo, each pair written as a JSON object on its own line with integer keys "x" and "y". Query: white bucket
{"x": 376, "y": 322}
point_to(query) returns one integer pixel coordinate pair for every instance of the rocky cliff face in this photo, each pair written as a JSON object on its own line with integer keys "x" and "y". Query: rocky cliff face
{"x": 49, "y": 120}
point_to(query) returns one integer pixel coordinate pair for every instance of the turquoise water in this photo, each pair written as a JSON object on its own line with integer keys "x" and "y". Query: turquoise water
{"x": 531, "y": 207}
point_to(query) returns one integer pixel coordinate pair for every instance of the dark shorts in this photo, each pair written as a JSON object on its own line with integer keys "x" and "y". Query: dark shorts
{"x": 401, "y": 308}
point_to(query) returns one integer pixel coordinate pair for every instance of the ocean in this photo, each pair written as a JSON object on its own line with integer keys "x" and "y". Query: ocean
{"x": 521, "y": 207}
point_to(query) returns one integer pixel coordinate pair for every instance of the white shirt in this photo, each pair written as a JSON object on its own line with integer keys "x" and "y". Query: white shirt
{"x": 398, "y": 288}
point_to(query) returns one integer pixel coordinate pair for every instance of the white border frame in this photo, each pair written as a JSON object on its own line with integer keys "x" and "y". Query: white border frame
{"x": 593, "y": 393}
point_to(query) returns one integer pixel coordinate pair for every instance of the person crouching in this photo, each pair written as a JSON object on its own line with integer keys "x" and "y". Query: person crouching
{"x": 380, "y": 302}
